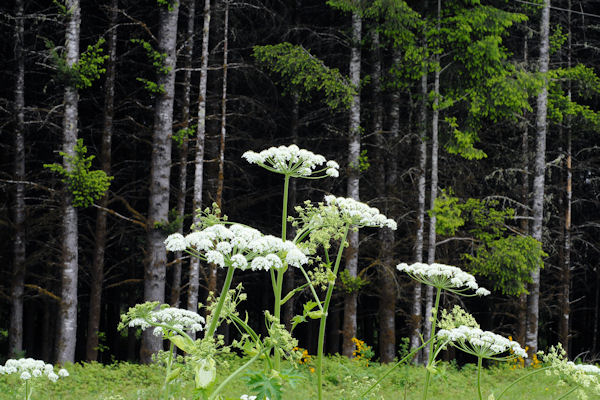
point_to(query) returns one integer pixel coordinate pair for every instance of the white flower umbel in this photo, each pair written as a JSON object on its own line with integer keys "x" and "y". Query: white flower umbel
{"x": 584, "y": 378}
{"x": 164, "y": 319}
{"x": 480, "y": 343}
{"x": 238, "y": 246}
{"x": 293, "y": 161}
{"x": 175, "y": 242}
{"x": 442, "y": 277}
{"x": 359, "y": 214}
{"x": 586, "y": 368}
{"x": 28, "y": 368}
{"x": 445, "y": 277}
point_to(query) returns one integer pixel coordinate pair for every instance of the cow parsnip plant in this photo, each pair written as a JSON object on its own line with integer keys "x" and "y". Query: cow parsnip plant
{"x": 31, "y": 372}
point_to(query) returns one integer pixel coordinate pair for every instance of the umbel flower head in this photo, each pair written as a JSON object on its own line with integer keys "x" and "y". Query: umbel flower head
{"x": 163, "y": 318}
{"x": 441, "y": 276}
{"x": 484, "y": 344}
{"x": 359, "y": 214}
{"x": 28, "y": 368}
{"x": 293, "y": 161}
{"x": 238, "y": 246}
{"x": 585, "y": 377}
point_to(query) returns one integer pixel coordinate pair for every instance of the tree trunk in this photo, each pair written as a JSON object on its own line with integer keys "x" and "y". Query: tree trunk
{"x": 351, "y": 253}
{"x": 15, "y": 333}
{"x": 565, "y": 281}
{"x": 433, "y": 192}
{"x": 158, "y": 209}
{"x": 97, "y": 271}
{"x": 416, "y": 315}
{"x": 184, "y": 149}
{"x": 194, "y": 275}
{"x": 68, "y": 305}
{"x": 212, "y": 277}
{"x": 388, "y": 293}
{"x": 538, "y": 180}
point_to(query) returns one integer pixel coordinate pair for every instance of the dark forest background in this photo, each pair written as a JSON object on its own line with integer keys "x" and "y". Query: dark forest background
{"x": 486, "y": 102}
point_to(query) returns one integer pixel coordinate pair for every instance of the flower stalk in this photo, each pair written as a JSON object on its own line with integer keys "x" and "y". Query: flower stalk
{"x": 432, "y": 354}
{"x": 325, "y": 309}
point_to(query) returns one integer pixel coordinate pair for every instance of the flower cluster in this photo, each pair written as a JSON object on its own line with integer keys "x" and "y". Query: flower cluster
{"x": 359, "y": 214}
{"x": 292, "y": 161}
{"x": 28, "y": 368}
{"x": 362, "y": 352}
{"x": 443, "y": 276}
{"x": 584, "y": 376}
{"x": 480, "y": 343}
{"x": 238, "y": 246}
{"x": 163, "y": 318}
{"x": 457, "y": 317}
{"x": 586, "y": 368}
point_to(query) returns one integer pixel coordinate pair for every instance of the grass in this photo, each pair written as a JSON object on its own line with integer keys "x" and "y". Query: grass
{"x": 344, "y": 379}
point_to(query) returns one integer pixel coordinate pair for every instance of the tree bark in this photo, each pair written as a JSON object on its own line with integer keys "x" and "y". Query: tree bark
{"x": 531, "y": 339}
{"x": 194, "y": 275}
{"x": 158, "y": 209}
{"x": 15, "y": 333}
{"x": 97, "y": 271}
{"x": 351, "y": 253}
{"x": 388, "y": 293}
{"x": 68, "y": 305}
{"x": 184, "y": 149}
{"x": 433, "y": 191}
{"x": 416, "y": 315}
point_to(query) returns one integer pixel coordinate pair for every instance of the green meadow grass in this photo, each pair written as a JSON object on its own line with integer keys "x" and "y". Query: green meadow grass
{"x": 343, "y": 378}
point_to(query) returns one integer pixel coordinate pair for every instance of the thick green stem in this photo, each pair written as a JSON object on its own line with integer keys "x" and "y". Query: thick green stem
{"x": 431, "y": 352}
{"x": 312, "y": 288}
{"x": 564, "y": 396}
{"x": 324, "y": 316}
{"x": 479, "y": 377}
{"x": 168, "y": 373}
{"x": 286, "y": 186}
{"x": 519, "y": 380}
{"x": 235, "y": 373}
{"x": 214, "y": 321}
{"x": 28, "y": 390}
{"x": 279, "y": 282}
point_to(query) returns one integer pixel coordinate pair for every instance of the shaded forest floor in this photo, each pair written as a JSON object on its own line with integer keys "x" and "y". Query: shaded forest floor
{"x": 344, "y": 379}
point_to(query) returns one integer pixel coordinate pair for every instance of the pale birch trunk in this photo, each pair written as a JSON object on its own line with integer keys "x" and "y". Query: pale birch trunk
{"x": 350, "y": 300}
{"x": 184, "y": 149}
{"x": 69, "y": 266}
{"x": 416, "y": 315}
{"x": 15, "y": 332}
{"x": 531, "y": 339}
{"x": 431, "y": 244}
{"x": 194, "y": 274}
{"x": 97, "y": 270}
{"x": 158, "y": 209}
